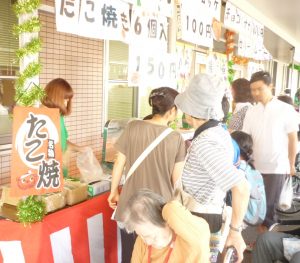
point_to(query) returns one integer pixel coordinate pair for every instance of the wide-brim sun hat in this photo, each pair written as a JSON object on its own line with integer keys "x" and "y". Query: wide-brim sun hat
{"x": 203, "y": 97}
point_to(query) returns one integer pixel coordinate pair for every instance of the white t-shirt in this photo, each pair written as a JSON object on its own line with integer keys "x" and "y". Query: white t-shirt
{"x": 269, "y": 127}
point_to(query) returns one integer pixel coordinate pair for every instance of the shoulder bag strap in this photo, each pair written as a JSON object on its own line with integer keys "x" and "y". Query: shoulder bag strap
{"x": 141, "y": 158}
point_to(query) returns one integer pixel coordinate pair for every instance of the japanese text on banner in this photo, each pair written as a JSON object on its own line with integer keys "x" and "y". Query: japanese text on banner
{"x": 196, "y": 21}
{"x": 238, "y": 21}
{"x": 101, "y": 19}
{"x": 67, "y": 15}
{"x": 151, "y": 69}
{"x": 149, "y": 30}
{"x": 36, "y": 153}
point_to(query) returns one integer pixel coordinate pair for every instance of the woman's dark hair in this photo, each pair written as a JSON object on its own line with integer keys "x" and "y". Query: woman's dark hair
{"x": 261, "y": 76}
{"x": 162, "y": 99}
{"x": 148, "y": 117}
{"x": 245, "y": 142}
{"x": 285, "y": 98}
{"x": 241, "y": 90}
{"x": 57, "y": 90}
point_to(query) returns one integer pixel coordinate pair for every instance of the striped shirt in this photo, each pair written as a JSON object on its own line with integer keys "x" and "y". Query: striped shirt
{"x": 209, "y": 171}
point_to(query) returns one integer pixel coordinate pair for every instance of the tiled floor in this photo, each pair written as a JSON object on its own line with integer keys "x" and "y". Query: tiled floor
{"x": 250, "y": 236}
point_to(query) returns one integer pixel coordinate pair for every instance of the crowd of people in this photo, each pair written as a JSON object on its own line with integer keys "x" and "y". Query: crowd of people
{"x": 252, "y": 156}
{"x": 241, "y": 162}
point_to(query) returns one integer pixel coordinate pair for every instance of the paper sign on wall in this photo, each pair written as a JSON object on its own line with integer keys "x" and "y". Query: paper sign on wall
{"x": 196, "y": 21}
{"x": 216, "y": 64}
{"x": 100, "y": 19}
{"x": 36, "y": 153}
{"x": 250, "y": 48}
{"x": 163, "y": 7}
{"x": 235, "y": 19}
{"x": 151, "y": 69}
{"x": 67, "y": 15}
{"x": 149, "y": 30}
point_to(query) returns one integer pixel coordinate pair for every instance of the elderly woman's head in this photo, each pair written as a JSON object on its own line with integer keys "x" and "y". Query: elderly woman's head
{"x": 143, "y": 215}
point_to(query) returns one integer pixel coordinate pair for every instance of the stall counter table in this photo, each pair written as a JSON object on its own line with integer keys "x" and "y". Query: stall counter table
{"x": 81, "y": 233}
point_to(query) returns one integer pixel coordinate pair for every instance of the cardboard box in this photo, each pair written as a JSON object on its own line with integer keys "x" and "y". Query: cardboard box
{"x": 9, "y": 212}
{"x": 6, "y": 198}
{"x": 96, "y": 188}
{"x": 76, "y": 192}
{"x": 54, "y": 201}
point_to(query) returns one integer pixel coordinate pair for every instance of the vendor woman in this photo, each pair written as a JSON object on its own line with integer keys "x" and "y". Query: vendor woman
{"x": 59, "y": 94}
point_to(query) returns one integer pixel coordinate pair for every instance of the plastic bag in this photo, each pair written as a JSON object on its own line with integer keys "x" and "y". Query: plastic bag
{"x": 291, "y": 246}
{"x": 89, "y": 167}
{"x": 286, "y": 195}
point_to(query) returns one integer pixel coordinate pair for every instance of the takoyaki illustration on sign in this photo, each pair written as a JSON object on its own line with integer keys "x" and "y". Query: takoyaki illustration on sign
{"x": 27, "y": 181}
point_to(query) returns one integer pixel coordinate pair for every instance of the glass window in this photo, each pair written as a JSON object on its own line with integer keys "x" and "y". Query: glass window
{"x": 144, "y": 107}
{"x": 120, "y": 96}
{"x": 124, "y": 101}
{"x": 8, "y": 69}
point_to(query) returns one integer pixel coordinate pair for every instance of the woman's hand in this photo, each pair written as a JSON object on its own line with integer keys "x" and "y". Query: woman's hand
{"x": 113, "y": 199}
{"x": 236, "y": 240}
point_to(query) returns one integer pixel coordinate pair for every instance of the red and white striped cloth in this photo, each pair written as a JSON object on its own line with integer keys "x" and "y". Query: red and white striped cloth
{"x": 81, "y": 233}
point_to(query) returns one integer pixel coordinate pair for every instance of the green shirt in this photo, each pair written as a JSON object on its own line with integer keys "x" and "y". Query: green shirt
{"x": 64, "y": 137}
{"x": 63, "y": 134}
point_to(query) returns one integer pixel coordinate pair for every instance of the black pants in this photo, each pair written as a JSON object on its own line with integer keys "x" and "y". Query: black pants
{"x": 128, "y": 241}
{"x": 273, "y": 185}
{"x": 214, "y": 221}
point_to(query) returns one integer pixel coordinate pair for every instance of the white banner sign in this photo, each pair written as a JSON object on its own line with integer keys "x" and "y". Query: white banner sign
{"x": 214, "y": 7}
{"x": 67, "y": 15}
{"x": 163, "y": 7}
{"x": 196, "y": 22}
{"x": 151, "y": 69}
{"x": 250, "y": 48}
{"x": 149, "y": 30}
{"x": 101, "y": 19}
{"x": 238, "y": 21}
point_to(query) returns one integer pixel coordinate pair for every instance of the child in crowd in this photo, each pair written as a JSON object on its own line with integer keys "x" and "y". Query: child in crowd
{"x": 257, "y": 206}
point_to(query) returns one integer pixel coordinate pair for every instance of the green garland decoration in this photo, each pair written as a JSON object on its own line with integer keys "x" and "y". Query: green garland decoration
{"x": 296, "y": 67}
{"x": 26, "y": 6}
{"x": 25, "y": 96}
{"x": 30, "y": 26}
{"x": 230, "y": 72}
{"x": 34, "y": 46}
{"x": 33, "y": 69}
{"x": 31, "y": 210}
